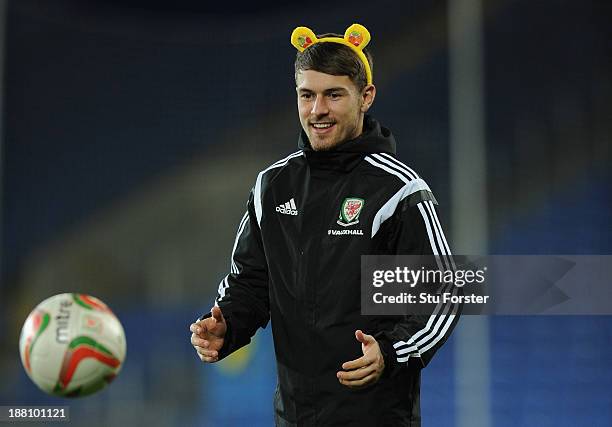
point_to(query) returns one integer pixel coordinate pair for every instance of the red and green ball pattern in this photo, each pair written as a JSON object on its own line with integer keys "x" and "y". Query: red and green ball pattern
{"x": 90, "y": 303}
{"x": 40, "y": 320}
{"x": 79, "y": 349}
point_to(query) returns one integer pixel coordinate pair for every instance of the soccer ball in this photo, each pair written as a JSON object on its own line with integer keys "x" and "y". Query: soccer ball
{"x": 72, "y": 345}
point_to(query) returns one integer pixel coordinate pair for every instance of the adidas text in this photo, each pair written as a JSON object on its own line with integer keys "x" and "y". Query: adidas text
{"x": 286, "y": 211}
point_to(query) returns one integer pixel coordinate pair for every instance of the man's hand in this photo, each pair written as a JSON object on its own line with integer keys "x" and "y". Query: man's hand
{"x": 208, "y": 335}
{"x": 367, "y": 369}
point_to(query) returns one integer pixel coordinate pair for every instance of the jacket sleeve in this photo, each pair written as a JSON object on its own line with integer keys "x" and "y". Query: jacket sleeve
{"x": 415, "y": 229}
{"x": 243, "y": 293}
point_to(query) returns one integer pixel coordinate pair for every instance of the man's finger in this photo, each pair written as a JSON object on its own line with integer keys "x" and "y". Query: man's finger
{"x": 199, "y": 327}
{"x": 200, "y": 342}
{"x": 208, "y": 359}
{"x": 364, "y": 338}
{"x": 364, "y": 360}
{"x": 217, "y": 314}
{"x": 195, "y": 340}
{"x": 206, "y": 352}
{"x": 370, "y": 379}
{"x": 356, "y": 374}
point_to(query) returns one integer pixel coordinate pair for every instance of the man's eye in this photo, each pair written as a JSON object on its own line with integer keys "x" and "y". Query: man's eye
{"x": 334, "y": 95}
{"x": 306, "y": 96}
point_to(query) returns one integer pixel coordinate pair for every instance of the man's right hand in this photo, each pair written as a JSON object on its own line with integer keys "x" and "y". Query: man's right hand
{"x": 208, "y": 335}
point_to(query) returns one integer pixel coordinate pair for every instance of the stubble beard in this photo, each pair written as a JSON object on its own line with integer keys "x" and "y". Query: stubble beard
{"x": 324, "y": 145}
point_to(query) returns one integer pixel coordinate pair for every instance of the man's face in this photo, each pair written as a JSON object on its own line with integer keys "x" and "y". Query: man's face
{"x": 331, "y": 108}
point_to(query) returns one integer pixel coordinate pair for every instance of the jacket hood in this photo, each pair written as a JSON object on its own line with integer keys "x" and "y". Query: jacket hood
{"x": 374, "y": 139}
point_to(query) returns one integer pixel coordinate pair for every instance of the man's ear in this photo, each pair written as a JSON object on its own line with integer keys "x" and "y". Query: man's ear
{"x": 368, "y": 95}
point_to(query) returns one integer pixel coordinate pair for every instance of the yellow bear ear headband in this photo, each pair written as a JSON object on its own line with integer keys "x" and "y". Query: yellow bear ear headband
{"x": 356, "y": 37}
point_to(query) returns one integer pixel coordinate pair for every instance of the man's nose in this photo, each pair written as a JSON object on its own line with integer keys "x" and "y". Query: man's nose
{"x": 319, "y": 106}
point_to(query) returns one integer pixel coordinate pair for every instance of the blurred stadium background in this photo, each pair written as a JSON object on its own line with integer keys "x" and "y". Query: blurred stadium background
{"x": 132, "y": 131}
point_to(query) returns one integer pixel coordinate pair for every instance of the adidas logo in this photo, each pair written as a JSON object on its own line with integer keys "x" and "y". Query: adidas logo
{"x": 288, "y": 208}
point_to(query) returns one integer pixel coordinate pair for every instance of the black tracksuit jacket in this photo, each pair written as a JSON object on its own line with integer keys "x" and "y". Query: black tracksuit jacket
{"x": 294, "y": 263}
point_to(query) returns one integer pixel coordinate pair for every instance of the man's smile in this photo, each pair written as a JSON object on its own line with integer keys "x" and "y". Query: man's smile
{"x": 322, "y": 127}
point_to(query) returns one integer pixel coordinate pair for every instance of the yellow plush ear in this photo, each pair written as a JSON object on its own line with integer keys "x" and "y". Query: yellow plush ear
{"x": 302, "y": 37}
{"x": 357, "y": 35}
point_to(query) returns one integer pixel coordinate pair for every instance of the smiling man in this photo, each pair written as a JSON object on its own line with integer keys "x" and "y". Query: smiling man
{"x": 296, "y": 257}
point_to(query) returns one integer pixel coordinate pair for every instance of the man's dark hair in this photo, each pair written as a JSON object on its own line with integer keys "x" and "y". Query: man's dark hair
{"x": 335, "y": 59}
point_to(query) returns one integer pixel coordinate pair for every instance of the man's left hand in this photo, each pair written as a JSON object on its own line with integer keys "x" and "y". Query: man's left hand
{"x": 367, "y": 369}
